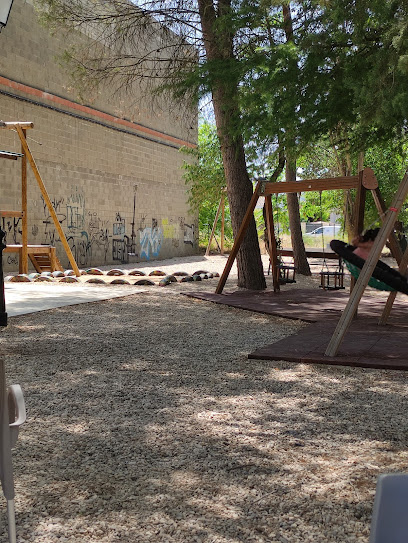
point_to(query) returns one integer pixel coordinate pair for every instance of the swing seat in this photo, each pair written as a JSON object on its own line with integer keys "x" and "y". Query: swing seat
{"x": 373, "y": 282}
{"x": 383, "y": 278}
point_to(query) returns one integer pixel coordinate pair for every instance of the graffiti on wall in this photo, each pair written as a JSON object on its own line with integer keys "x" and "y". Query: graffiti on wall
{"x": 95, "y": 238}
{"x": 171, "y": 231}
{"x": 189, "y": 234}
{"x": 119, "y": 240}
{"x": 93, "y": 241}
{"x": 12, "y": 260}
{"x": 151, "y": 239}
{"x": 51, "y": 235}
{"x": 98, "y": 232}
{"x": 50, "y": 232}
{"x": 12, "y": 228}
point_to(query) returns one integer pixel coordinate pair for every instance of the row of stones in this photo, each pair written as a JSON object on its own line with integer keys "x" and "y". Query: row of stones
{"x": 69, "y": 277}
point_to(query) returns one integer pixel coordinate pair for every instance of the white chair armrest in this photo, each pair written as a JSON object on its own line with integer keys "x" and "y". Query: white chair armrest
{"x": 17, "y": 411}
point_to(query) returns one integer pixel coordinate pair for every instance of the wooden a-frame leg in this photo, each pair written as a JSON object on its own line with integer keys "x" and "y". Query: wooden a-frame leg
{"x": 395, "y": 247}
{"x": 47, "y": 200}
{"x": 240, "y": 236}
{"x": 273, "y": 253}
{"x": 392, "y": 295}
{"x": 207, "y": 252}
{"x": 368, "y": 268}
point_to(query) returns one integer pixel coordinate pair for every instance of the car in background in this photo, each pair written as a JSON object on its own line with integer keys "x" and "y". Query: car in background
{"x": 330, "y": 230}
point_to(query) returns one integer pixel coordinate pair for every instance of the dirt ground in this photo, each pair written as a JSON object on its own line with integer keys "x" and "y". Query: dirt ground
{"x": 146, "y": 422}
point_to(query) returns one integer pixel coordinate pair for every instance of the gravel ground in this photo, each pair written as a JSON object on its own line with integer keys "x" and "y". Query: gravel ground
{"x": 147, "y": 423}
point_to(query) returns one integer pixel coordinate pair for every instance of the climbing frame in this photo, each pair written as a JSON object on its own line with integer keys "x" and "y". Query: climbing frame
{"x": 42, "y": 256}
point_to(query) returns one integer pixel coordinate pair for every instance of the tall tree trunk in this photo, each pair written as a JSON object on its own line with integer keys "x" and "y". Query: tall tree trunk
{"x": 219, "y": 48}
{"x": 298, "y": 246}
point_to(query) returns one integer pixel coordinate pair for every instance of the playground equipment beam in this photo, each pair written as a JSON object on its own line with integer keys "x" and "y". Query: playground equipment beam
{"x": 334, "y": 183}
{"x": 368, "y": 268}
{"x": 47, "y": 200}
{"x": 13, "y": 125}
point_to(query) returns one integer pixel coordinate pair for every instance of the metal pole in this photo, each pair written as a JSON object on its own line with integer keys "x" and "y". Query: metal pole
{"x": 3, "y": 314}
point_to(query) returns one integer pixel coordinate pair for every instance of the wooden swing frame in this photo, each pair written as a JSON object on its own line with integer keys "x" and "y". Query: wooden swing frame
{"x": 363, "y": 182}
{"x": 386, "y": 232}
{"x": 24, "y": 249}
{"x": 221, "y": 208}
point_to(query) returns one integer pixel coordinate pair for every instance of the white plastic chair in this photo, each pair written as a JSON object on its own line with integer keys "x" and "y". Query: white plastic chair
{"x": 389, "y": 522}
{"x": 12, "y": 416}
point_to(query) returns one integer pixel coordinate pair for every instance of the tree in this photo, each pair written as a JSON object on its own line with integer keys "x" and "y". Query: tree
{"x": 151, "y": 43}
{"x": 323, "y": 69}
{"x": 299, "y": 253}
{"x": 204, "y": 176}
{"x": 342, "y": 69}
{"x": 219, "y": 31}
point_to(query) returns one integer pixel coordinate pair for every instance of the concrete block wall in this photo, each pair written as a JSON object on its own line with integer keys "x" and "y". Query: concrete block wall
{"x": 116, "y": 185}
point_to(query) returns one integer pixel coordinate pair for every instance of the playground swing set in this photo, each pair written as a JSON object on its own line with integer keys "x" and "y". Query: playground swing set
{"x": 43, "y": 257}
{"x": 366, "y": 269}
{"x": 363, "y": 182}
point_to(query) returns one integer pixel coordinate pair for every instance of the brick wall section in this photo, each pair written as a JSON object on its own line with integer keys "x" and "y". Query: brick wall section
{"x": 117, "y": 188}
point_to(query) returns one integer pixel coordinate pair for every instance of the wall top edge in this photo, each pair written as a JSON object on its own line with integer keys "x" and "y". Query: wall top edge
{"x": 92, "y": 112}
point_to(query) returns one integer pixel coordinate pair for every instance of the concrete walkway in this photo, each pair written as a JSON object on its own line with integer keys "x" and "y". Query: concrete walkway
{"x": 23, "y": 298}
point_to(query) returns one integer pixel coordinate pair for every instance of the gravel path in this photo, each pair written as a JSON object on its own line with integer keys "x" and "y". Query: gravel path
{"x": 147, "y": 423}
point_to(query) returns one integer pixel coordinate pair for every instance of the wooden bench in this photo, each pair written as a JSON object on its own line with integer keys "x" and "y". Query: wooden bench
{"x": 312, "y": 253}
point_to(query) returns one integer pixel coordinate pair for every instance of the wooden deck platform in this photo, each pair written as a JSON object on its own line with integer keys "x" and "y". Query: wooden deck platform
{"x": 366, "y": 344}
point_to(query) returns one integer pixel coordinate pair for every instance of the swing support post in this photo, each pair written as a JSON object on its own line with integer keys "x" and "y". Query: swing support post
{"x": 273, "y": 252}
{"x": 368, "y": 268}
{"x": 392, "y": 295}
{"x": 395, "y": 247}
{"x": 28, "y": 156}
{"x": 28, "y": 159}
{"x": 238, "y": 240}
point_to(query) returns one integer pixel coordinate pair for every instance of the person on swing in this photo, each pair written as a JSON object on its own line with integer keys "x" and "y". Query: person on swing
{"x": 363, "y": 245}
{"x": 364, "y": 242}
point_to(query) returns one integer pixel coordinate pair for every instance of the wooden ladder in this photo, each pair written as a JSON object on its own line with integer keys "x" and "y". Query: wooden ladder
{"x": 45, "y": 260}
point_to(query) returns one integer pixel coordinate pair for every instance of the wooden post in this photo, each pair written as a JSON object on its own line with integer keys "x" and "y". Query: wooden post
{"x": 360, "y": 165}
{"x": 47, "y": 200}
{"x": 238, "y": 240}
{"x": 366, "y": 272}
{"x": 23, "y": 264}
{"x": 53, "y": 259}
{"x": 358, "y": 214}
{"x": 207, "y": 252}
{"x": 395, "y": 247}
{"x": 359, "y": 206}
{"x": 13, "y": 125}
{"x": 392, "y": 295}
{"x": 222, "y": 223}
{"x": 273, "y": 253}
